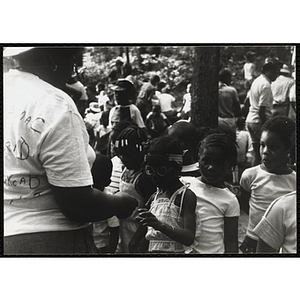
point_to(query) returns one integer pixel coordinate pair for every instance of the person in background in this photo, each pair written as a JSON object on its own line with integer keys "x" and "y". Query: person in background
{"x": 77, "y": 91}
{"x": 92, "y": 121}
{"x": 145, "y": 96}
{"x": 249, "y": 69}
{"x": 48, "y": 198}
{"x": 277, "y": 230}
{"x": 261, "y": 103}
{"x": 169, "y": 219}
{"x": 229, "y": 105}
{"x": 167, "y": 102}
{"x": 156, "y": 122}
{"x": 102, "y": 95}
{"x": 117, "y": 163}
{"x": 282, "y": 88}
{"x": 116, "y": 71}
{"x": 124, "y": 110}
{"x": 262, "y": 184}
{"x": 217, "y": 207}
{"x": 186, "y": 104}
{"x": 186, "y": 133}
{"x": 244, "y": 149}
{"x": 106, "y": 232}
{"x": 129, "y": 148}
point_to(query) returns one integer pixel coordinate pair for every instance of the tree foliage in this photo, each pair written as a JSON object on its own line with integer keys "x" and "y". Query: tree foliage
{"x": 174, "y": 64}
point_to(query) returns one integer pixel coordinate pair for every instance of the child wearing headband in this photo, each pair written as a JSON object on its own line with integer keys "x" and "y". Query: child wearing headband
{"x": 168, "y": 221}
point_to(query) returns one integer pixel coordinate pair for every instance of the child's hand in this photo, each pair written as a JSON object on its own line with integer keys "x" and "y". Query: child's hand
{"x": 148, "y": 219}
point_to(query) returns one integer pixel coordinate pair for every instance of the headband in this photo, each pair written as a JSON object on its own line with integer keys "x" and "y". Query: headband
{"x": 178, "y": 158}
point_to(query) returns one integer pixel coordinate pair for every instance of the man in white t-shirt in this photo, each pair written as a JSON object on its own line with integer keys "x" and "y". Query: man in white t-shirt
{"x": 261, "y": 104}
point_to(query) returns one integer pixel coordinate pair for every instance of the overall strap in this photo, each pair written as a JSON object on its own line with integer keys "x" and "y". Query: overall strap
{"x": 181, "y": 191}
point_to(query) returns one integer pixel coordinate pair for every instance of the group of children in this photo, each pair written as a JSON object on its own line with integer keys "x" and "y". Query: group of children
{"x": 196, "y": 212}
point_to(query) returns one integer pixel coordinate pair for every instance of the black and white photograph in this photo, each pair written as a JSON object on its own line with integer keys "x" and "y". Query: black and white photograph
{"x": 149, "y": 150}
{"x": 144, "y": 150}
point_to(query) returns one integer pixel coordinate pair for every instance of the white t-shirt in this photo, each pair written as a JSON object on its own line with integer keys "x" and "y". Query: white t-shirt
{"x": 165, "y": 102}
{"x": 248, "y": 70}
{"x": 281, "y": 88}
{"x": 278, "y": 226}
{"x": 245, "y": 147}
{"x": 134, "y": 112}
{"x": 260, "y": 95}
{"x": 264, "y": 188}
{"x": 213, "y": 204}
{"x": 45, "y": 142}
{"x": 187, "y": 102}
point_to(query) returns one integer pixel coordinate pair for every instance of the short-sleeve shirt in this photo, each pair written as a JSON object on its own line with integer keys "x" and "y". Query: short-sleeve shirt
{"x": 165, "y": 102}
{"x": 264, "y": 188}
{"x": 281, "y": 89}
{"x": 213, "y": 205}
{"x": 127, "y": 112}
{"x": 278, "y": 227}
{"x": 260, "y": 95}
{"x": 228, "y": 100}
{"x": 45, "y": 142}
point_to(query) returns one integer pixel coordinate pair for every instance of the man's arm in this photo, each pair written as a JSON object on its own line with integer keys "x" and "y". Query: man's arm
{"x": 85, "y": 204}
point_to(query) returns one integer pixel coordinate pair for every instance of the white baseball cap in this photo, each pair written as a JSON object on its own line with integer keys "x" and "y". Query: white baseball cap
{"x": 13, "y": 51}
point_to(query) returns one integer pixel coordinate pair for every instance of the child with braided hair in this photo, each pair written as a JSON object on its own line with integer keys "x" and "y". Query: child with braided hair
{"x": 168, "y": 221}
{"x": 217, "y": 207}
{"x": 129, "y": 148}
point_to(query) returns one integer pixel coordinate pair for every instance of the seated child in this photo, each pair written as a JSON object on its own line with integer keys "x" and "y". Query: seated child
{"x": 156, "y": 122}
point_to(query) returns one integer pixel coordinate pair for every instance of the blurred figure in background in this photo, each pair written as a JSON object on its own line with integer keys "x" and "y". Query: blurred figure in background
{"x": 282, "y": 90}
{"x": 147, "y": 92}
{"x": 229, "y": 105}
{"x": 261, "y": 103}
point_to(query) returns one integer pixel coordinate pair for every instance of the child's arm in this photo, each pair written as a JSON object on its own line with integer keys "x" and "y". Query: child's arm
{"x": 244, "y": 200}
{"x": 113, "y": 239}
{"x": 231, "y": 234}
{"x": 184, "y": 236}
{"x": 136, "y": 239}
{"x": 145, "y": 187}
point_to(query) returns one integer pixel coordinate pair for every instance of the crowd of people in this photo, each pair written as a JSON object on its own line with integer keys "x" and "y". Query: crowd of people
{"x": 125, "y": 171}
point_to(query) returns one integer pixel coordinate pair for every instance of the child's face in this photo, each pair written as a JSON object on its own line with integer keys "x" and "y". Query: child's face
{"x": 274, "y": 155}
{"x": 131, "y": 158}
{"x": 162, "y": 174}
{"x": 213, "y": 166}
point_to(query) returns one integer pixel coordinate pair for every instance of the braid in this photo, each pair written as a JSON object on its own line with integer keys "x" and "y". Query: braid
{"x": 132, "y": 136}
{"x": 225, "y": 142}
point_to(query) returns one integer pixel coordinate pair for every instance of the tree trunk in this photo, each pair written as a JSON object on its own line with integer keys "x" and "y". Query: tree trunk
{"x": 204, "y": 90}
